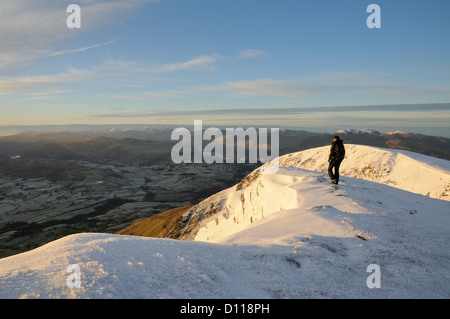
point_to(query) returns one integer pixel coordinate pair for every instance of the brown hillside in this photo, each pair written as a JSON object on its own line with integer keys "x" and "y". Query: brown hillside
{"x": 155, "y": 226}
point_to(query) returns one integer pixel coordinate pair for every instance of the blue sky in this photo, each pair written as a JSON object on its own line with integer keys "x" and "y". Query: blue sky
{"x": 229, "y": 62}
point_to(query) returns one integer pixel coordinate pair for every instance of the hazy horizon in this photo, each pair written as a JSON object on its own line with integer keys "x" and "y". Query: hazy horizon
{"x": 427, "y": 119}
{"x": 21, "y": 129}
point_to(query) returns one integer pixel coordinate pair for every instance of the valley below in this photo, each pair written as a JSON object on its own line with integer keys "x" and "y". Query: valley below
{"x": 103, "y": 198}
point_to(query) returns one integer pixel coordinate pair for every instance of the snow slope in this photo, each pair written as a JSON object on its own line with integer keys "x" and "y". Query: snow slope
{"x": 402, "y": 169}
{"x": 284, "y": 235}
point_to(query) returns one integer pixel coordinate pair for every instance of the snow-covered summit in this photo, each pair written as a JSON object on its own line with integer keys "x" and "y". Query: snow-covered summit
{"x": 406, "y": 170}
{"x": 259, "y": 195}
{"x": 285, "y": 235}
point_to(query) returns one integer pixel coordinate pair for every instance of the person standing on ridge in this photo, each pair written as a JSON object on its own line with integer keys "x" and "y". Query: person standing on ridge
{"x": 337, "y": 154}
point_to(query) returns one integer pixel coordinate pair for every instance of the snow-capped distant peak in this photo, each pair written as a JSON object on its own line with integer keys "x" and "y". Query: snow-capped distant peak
{"x": 358, "y": 131}
{"x": 396, "y": 132}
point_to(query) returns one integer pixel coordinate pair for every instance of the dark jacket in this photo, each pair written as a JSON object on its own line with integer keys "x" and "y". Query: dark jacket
{"x": 337, "y": 151}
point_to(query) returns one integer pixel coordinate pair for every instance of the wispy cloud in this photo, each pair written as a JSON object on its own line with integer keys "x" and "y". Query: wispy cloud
{"x": 252, "y": 53}
{"x": 204, "y": 62}
{"x": 29, "y": 83}
{"x": 355, "y": 82}
{"x": 29, "y": 28}
{"x": 122, "y": 72}
{"x": 318, "y": 85}
{"x": 288, "y": 112}
{"x": 151, "y": 95}
{"x": 64, "y": 52}
{"x": 44, "y": 95}
{"x": 263, "y": 87}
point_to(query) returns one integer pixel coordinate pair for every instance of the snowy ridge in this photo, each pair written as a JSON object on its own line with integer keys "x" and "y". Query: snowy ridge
{"x": 259, "y": 195}
{"x": 270, "y": 194}
{"x": 402, "y": 169}
{"x": 284, "y": 235}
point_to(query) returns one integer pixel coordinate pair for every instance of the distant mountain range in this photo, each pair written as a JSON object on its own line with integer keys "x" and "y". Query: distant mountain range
{"x": 155, "y": 144}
